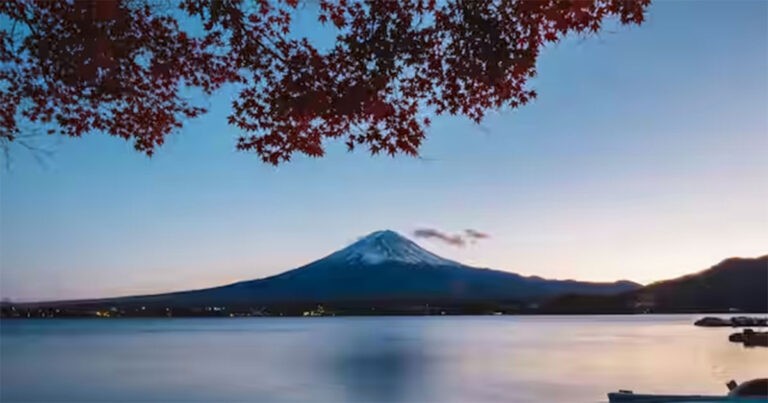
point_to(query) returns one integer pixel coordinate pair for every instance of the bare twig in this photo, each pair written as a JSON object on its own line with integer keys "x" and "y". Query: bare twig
{"x": 27, "y": 141}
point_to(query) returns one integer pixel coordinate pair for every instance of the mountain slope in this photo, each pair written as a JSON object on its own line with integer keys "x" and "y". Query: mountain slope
{"x": 736, "y": 283}
{"x": 739, "y": 283}
{"x": 383, "y": 266}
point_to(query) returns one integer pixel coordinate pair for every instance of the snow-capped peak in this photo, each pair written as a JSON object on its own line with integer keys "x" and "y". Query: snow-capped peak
{"x": 388, "y": 246}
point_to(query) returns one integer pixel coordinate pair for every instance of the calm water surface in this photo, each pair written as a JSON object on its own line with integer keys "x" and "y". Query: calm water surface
{"x": 386, "y": 359}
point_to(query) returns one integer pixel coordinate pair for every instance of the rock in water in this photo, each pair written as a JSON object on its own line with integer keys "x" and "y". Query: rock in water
{"x": 750, "y": 338}
{"x": 710, "y": 321}
{"x": 737, "y": 321}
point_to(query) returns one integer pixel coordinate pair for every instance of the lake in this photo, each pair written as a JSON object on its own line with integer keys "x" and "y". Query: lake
{"x": 368, "y": 359}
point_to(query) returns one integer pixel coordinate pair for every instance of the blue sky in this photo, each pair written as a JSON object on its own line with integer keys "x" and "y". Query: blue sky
{"x": 644, "y": 157}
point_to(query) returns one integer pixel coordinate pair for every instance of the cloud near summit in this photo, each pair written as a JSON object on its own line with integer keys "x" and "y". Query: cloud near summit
{"x": 468, "y": 236}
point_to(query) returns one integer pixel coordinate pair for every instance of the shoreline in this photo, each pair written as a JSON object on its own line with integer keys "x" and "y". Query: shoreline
{"x": 541, "y": 314}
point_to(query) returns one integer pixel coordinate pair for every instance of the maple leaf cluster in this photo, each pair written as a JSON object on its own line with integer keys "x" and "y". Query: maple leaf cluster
{"x": 121, "y": 67}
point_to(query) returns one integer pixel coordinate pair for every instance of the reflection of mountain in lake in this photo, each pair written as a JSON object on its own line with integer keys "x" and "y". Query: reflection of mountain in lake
{"x": 378, "y": 366}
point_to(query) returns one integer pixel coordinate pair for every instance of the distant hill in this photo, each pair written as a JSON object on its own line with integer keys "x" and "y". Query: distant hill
{"x": 383, "y": 269}
{"x": 386, "y": 273}
{"x": 736, "y": 284}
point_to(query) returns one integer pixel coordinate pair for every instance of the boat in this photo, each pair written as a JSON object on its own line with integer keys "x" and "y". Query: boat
{"x": 755, "y": 390}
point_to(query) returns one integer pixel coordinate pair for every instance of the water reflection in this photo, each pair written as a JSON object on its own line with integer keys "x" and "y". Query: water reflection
{"x": 366, "y": 360}
{"x": 375, "y": 364}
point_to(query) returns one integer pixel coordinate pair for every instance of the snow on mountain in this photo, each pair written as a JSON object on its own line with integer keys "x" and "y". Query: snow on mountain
{"x": 381, "y": 267}
{"x": 388, "y": 246}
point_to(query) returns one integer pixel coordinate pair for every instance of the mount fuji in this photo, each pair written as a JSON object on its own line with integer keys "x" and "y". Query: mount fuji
{"x": 383, "y": 267}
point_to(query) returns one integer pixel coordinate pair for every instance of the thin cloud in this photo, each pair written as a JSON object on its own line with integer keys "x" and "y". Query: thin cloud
{"x": 471, "y": 233}
{"x": 454, "y": 240}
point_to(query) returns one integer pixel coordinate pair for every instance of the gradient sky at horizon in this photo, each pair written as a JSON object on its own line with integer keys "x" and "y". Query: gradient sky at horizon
{"x": 644, "y": 157}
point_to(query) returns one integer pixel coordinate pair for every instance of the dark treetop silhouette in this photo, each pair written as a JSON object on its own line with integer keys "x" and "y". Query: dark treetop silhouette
{"x": 120, "y": 66}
